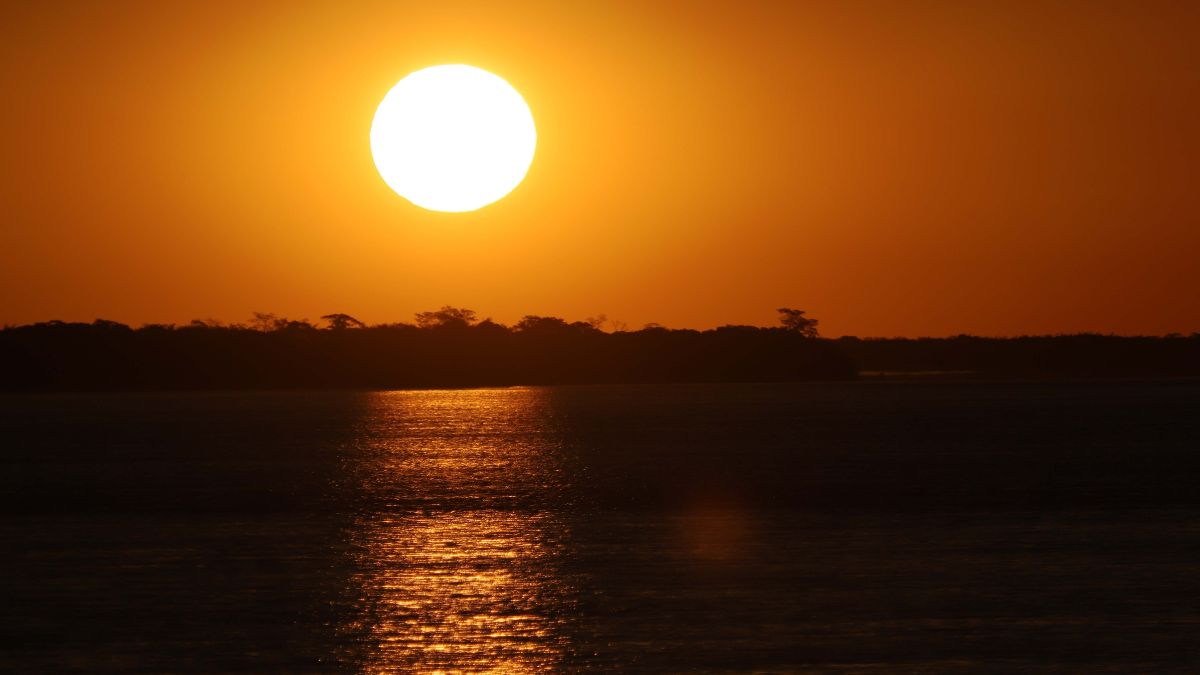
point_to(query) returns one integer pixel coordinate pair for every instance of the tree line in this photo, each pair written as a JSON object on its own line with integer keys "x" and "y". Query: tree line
{"x": 452, "y": 347}
{"x": 449, "y": 347}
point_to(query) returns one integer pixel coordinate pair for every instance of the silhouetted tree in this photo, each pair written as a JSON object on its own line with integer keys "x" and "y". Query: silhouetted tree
{"x": 491, "y": 327}
{"x": 105, "y": 324}
{"x": 446, "y": 317}
{"x": 794, "y": 320}
{"x": 343, "y": 321}
{"x": 532, "y": 323}
{"x": 264, "y": 321}
{"x": 302, "y": 324}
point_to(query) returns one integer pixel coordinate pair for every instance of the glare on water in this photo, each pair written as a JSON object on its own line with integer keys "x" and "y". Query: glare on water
{"x": 455, "y": 555}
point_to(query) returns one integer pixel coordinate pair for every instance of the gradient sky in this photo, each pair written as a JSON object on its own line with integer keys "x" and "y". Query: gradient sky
{"x": 894, "y": 168}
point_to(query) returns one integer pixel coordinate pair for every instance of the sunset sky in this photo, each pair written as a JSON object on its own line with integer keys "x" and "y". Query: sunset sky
{"x": 894, "y": 168}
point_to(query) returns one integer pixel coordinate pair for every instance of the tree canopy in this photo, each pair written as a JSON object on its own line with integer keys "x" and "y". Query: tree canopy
{"x": 795, "y": 321}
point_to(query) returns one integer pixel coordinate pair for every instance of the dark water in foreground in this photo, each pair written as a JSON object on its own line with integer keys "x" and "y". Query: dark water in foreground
{"x": 853, "y": 527}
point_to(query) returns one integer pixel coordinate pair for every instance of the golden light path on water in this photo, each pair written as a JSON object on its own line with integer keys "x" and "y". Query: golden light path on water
{"x": 456, "y": 552}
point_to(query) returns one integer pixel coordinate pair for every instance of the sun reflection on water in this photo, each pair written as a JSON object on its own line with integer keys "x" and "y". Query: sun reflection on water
{"x": 457, "y": 554}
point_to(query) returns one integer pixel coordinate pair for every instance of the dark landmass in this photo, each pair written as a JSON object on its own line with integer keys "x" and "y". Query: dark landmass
{"x": 449, "y": 348}
{"x": 1040, "y": 356}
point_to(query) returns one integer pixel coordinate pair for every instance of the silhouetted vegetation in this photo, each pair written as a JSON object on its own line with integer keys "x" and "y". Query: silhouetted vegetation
{"x": 795, "y": 321}
{"x": 451, "y": 347}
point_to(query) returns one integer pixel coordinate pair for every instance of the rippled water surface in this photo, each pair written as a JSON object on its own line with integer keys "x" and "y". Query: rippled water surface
{"x": 870, "y": 526}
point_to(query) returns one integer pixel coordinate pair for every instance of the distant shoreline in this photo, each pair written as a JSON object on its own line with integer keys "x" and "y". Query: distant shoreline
{"x": 918, "y": 374}
{"x": 107, "y": 356}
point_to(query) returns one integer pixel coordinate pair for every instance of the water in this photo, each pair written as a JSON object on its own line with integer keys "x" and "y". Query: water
{"x": 851, "y": 527}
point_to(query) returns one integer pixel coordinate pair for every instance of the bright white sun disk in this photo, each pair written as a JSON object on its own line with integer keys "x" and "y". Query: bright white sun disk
{"x": 453, "y": 138}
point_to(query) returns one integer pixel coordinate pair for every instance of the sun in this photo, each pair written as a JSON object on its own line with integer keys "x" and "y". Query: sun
{"x": 453, "y": 138}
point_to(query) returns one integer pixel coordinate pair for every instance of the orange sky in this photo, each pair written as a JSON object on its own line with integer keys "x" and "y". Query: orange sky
{"x": 894, "y": 168}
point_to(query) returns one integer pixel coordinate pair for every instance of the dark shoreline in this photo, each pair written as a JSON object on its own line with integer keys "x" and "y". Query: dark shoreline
{"x": 896, "y": 378}
{"x": 107, "y": 356}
